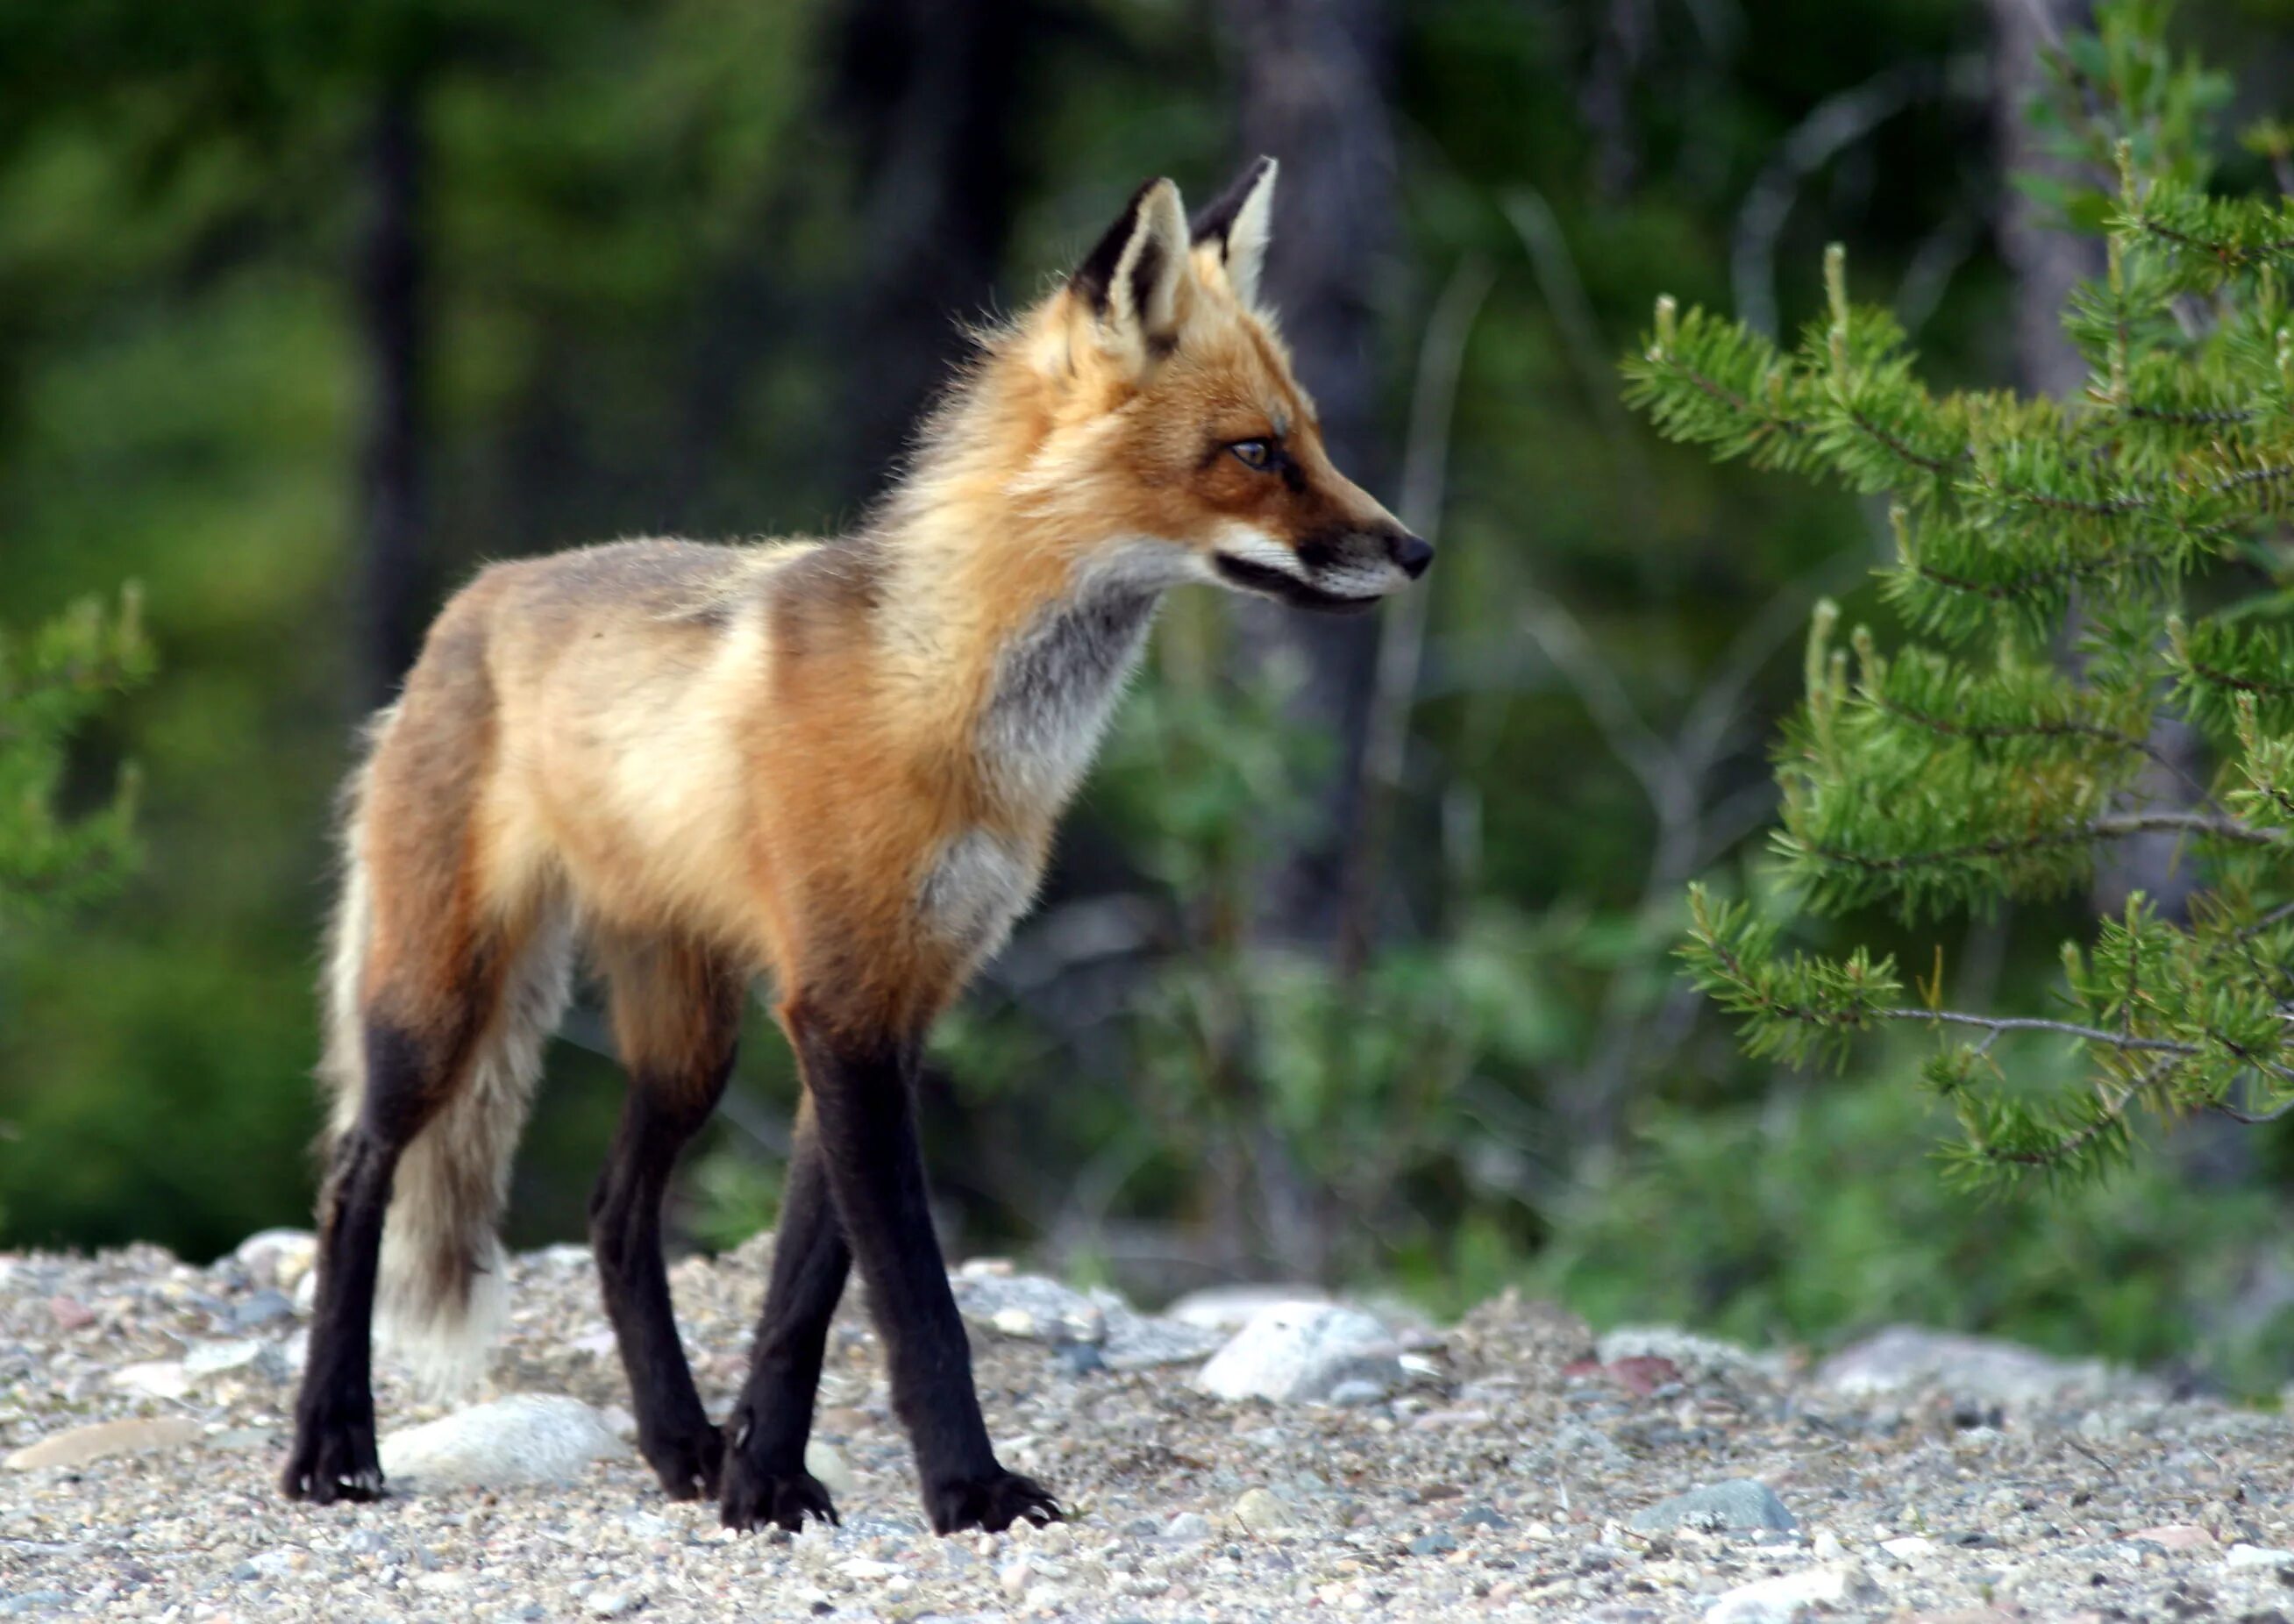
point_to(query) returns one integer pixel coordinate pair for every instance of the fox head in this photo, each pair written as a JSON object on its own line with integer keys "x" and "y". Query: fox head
{"x": 1171, "y": 425}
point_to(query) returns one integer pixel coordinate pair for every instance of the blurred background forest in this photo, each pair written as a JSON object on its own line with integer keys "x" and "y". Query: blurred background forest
{"x": 1356, "y": 963}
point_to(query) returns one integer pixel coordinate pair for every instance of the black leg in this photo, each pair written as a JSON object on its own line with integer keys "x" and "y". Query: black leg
{"x": 861, "y": 1094}
{"x": 765, "y": 1478}
{"x": 334, "y": 1455}
{"x": 673, "y": 1432}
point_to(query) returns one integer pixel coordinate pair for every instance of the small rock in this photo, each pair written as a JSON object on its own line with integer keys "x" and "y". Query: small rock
{"x": 2244, "y": 1556}
{"x": 1026, "y": 1306}
{"x": 243, "y": 1438}
{"x": 306, "y": 1294}
{"x": 1738, "y": 1506}
{"x": 1014, "y": 1577}
{"x": 69, "y": 1314}
{"x": 254, "y": 1356}
{"x": 1788, "y": 1596}
{"x": 1188, "y": 1528}
{"x": 1436, "y": 1544}
{"x": 1292, "y": 1352}
{"x": 1230, "y": 1308}
{"x": 526, "y": 1439}
{"x": 105, "y": 1438}
{"x": 156, "y": 1378}
{"x": 2176, "y": 1536}
{"x": 1910, "y": 1548}
{"x": 1641, "y": 1349}
{"x": 1481, "y": 1516}
{"x": 826, "y": 1464}
{"x": 1354, "y": 1394}
{"x": 265, "y": 1307}
{"x": 1984, "y": 1370}
{"x": 278, "y": 1259}
{"x": 1261, "y": 1512}
{"x": 614, "y": 1603}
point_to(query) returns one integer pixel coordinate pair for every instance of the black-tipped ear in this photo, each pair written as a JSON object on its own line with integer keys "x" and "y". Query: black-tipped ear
{"x": 1132, "y": 278}
{"x": 1095, "y": 279}
{"x": 1237, "y": 222}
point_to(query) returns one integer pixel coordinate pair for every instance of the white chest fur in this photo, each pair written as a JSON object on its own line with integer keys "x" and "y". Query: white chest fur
{"x": 1056, "y": 688}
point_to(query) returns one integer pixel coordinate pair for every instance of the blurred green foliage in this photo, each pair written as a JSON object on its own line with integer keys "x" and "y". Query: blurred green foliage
{"x": 648, "y": 231}
{"x": 1817, "y": 1211}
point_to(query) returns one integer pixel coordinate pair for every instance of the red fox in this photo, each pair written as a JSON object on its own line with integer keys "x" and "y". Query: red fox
{"x": 833, "y": 763}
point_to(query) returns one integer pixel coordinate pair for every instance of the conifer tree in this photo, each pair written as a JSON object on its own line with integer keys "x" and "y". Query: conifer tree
{"x": 2068, "y": 570}
{"x": 51, "y": 681}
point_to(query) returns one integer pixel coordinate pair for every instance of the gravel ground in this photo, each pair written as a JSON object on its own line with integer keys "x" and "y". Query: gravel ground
{"x": 1517, "y": 1472}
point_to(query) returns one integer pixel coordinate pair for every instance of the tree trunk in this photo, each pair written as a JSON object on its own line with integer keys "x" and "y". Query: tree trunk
{"x": 1311, "y": 88}
{"x": 932, "y": 92}
{"x": 2047, "y": 264}
{"x": 389, "y": 276}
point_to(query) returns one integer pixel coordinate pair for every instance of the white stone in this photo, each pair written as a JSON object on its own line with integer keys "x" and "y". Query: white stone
{"x": 2244, "y": 1556}
{"x": 1788, "y": 1596}
{"x": 1294, "y": 1352}
{"x": 1905, "y": 1358}
{"x": 1230, "y": 1308}
{"x": 1910, "y": 1548}
{"x": 828, "y": 1466}
{"x": 156, "y": 1378}
{"x": 526, "y": 1439}
{"x": 278, "y": 1258}
{"x": 252, "y": 1355}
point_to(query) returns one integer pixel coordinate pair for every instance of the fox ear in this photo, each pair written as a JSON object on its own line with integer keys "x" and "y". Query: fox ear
{"x": 1236, "y": 226}
{"x": 1132, "y": 280}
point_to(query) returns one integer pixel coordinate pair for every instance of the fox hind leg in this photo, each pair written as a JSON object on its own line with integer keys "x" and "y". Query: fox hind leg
{"x": 677, "y": 1019}
{"x": 408, "y": 1075}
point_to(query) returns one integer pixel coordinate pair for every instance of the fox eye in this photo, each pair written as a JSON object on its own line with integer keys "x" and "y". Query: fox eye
{"x": 1253, "y": 453}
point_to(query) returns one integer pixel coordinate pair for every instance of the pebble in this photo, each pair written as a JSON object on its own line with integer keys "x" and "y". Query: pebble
{"x": 278, "y": 1259}
{"x": 265, "y": 1307}
{"x": 1738, "y": 1505}
{"x": 1230, "y": 1308}
{"x": 252, "y": 1355}
{"x": 2244, "y": 1556}
{"x": 1789, "y": 1596}
{"x": 1497, "y": 1488}
{"x": 823, "y": 1461}
{"x": 1984, "y": 1370}
{"x": 154, "y": 1379}
{"x": 1292, "y": 1352}
{"x": 527, "y": 1438}
{"x": 1261, "y": 1512}
{"x": 2176, "y": 1536}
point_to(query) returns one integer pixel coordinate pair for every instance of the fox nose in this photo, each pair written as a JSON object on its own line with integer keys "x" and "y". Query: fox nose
{"x": 1411, "y": 553}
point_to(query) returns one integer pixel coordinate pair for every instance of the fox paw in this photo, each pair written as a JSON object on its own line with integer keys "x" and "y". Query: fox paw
{"x": 755, "y": 1496}
{"x": 333, "y": 1459}
{"x": 992, "y": 1502}
{"x": 691, "y": 1467}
